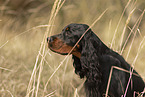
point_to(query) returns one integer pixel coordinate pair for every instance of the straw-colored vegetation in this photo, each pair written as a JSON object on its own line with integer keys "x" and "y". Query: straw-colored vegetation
{"x": 28, "y": 68}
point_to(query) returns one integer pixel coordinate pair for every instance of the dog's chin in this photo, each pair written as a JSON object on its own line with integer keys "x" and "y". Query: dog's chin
{"x": 57, "y": 51}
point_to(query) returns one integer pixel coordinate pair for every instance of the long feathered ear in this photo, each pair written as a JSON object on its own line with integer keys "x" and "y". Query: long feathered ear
{"x": 81, "y": 65}
{"x": 90, "y": 63}
{"x": 78, "y": 66}
{"x": 90, "y": 55}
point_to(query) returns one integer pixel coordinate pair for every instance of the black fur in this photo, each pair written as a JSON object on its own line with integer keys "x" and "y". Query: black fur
{"x": 95, "y": 63}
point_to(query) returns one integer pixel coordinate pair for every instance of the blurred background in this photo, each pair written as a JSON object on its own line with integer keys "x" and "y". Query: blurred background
{"x": 19, "y": 45}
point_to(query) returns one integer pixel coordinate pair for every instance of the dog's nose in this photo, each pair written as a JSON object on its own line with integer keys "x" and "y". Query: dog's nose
{"x": 50, "y": 39}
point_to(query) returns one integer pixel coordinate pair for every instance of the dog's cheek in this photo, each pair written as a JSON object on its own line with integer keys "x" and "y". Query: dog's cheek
{"x": 65, "y": 49}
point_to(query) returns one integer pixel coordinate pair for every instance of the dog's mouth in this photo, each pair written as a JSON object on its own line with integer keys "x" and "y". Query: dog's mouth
{"x": 60, "y": 48}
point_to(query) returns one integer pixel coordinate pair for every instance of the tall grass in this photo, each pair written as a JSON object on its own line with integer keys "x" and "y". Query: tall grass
{"x": 42, "y": 52}
{"x": 28, "y": 68}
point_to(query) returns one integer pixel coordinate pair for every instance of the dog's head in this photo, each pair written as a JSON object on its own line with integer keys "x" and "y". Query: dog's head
{"x": 64, "y": 42}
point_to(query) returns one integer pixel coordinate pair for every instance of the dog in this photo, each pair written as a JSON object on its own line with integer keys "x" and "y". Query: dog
{"x": 93, "y": 60}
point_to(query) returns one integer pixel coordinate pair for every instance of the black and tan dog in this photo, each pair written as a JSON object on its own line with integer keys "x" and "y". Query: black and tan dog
{"x": 93, "y": 60}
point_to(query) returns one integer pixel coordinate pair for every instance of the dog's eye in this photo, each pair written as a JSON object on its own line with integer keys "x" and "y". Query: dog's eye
{"x": 67, "y": 32}
{"x": 67, "y": 29}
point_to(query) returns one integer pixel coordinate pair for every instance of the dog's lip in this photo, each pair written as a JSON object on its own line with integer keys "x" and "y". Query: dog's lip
{"x": 50, "y": 47}
{"x": 57, "y": 52}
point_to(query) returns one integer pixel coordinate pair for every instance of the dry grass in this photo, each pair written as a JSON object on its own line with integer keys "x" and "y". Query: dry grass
{"x": 28, "y": 68}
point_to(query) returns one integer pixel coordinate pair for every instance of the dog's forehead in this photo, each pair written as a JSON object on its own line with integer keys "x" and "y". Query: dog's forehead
{"x": 74, "y": 26}
{"x": 78, "y": 26}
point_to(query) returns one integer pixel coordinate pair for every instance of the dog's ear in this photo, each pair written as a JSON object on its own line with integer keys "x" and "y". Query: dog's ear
{"x": 89, "y": 54}
{"x": 78, "y": 67}
{"x": 88, "y": 64}
{"x": 86, "y": 48}
{"x": 90, "y": 61}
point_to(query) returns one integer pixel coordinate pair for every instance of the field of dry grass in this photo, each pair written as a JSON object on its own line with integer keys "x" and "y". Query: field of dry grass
{"x": 28, "y": 68}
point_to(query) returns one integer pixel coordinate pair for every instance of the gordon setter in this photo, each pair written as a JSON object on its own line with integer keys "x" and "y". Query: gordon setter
{"x": 93, "y": 60}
